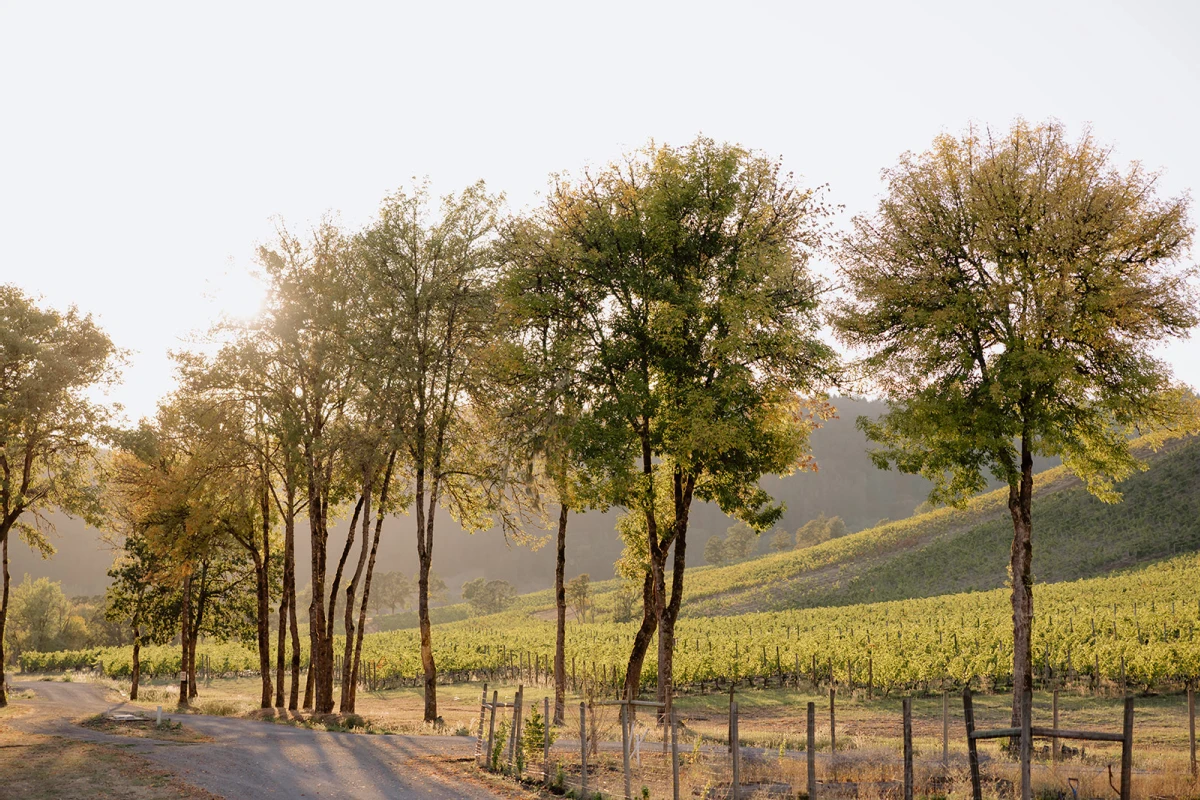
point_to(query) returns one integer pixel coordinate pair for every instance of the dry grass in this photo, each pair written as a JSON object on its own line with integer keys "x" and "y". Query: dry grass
{"x": 168, "y": 731}
{"x": 38, "y": 767}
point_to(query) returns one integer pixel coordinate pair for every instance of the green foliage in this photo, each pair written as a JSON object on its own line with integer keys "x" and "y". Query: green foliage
{"x": 1013, "y": 287}
{"x": 498, "y": 745}
{"x": 488, "y": 597}
{"x": 534, "y": 733}
{"x": 579, "y": 595}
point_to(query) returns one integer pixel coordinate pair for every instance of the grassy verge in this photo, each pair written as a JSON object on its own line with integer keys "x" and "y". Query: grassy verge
{"x": 168, "y": 731}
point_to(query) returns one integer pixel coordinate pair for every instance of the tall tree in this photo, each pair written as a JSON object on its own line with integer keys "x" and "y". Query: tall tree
{"x": 1008, "y": 294}
{"x": 306, "y": 322}
{"x": 427, "y": 308}
{"x": 49, "y": 426}
{"x": 685, "y": 270}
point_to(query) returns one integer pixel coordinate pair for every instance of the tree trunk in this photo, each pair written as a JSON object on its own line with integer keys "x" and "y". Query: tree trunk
{"x": 346, "y": 705}
{"x": 137, "y": 662}
{"x": 185, "y": 638}
{"x": 263, "y": 585}
{"x": 1020, "y": 506}
{"x": 357, "y": 635}
{"x": 641, "y": 641}
{"x": 320, "y": 669}
{"x": 3, "y": 612}
{"x": 289, "y": 591}
{"x": 560, "y": 638}
{"x": 309, "y": 679}
{"x": 281, "y": 643}
{"x": 684, "y": 487}
{"x": 264, "y": 629}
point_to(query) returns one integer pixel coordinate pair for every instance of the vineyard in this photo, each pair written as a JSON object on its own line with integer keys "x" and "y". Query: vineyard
{"x": 1093, "y": 630}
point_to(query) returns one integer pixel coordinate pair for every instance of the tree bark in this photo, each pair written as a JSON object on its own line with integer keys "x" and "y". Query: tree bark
{"x": 683, "y": 487}
{"x": 4, "y": 611}
{"x": 1020, "y": 506}
{"x": 263, "y": 585}
{"x": 641, "y": 640}
{"x": 560, "y": 637}
{"x": 351, "y": 632}
{"x": 137, "y": 662}
{"x": 185, "y": 637}
{"x": 289, "y": 588}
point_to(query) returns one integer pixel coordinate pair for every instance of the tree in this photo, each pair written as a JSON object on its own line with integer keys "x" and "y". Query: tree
{"x": 427, "y": 300}
{"x": 1009, "y": 293}
{"x": 38, "y": 615}
{"x": 488, "y": 597}
{"x": 684, "y": 270}
{"x": 392, "y": 590}
{"x": 579, "y": 595}
{"x": 49, "y": 428}
{"x": 781, "y": 541}
{"x": 714, "y": 551}
{"x": 740, "y": 541}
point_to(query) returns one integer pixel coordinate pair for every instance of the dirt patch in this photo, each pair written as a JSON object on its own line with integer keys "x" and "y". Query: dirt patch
{"x": 145, "y": 728}
{"x": 39, "y": 767}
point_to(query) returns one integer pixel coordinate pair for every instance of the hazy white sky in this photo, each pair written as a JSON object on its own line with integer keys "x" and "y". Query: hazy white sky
{"x": 145, "y": 148}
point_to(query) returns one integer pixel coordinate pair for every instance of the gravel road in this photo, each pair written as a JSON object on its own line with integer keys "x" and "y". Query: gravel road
{"x": 249, "y": 760}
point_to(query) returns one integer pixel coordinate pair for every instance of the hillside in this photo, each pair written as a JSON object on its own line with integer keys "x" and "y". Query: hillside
{"x": 846, "y": 484}
{"x": 950, "y": 550}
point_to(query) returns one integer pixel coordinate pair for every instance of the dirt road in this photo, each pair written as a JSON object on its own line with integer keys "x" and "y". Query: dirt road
{"x": 248, "y": 760}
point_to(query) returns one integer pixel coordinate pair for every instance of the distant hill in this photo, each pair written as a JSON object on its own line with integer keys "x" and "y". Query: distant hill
{"x": 846, "y": 485}
{"x": 951, "y": 550}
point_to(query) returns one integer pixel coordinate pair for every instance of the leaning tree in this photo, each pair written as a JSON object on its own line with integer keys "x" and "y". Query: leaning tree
{"x": 1007, "y": 298}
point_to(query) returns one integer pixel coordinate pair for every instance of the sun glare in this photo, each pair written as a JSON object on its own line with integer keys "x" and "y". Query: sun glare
{"x": 236, "y": 294}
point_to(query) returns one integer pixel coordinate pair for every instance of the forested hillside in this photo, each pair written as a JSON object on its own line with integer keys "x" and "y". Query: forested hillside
{"x": 845, "y": 484}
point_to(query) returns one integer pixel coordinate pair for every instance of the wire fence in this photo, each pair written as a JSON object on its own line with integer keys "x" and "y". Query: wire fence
{"x": 630, "y": 749}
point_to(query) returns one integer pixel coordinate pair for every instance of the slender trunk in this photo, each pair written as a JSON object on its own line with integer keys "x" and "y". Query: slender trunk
{"x": 321, "y": 674}
{"x": 185, "y": 638}
{"x": 331, "y": 612}
{"x": 281, "y": 645}
{"x": 346, "y": 704}
{"x": 137, "y": 662}
{"x": 264, "y": 629}
{"x": 4, "y": 611}
{"x": 366, "y": 597}
{"x": 263, "y": 585}
{"x": 641, "y": 640}
{"x": 560, "y": 637}
{"x": 309, "y": 679}
{"x": 683, "y": 489}
{"x": 289, "y": 588}
{"x": 425, "y": 561}
{"x": 1020, "y": 506}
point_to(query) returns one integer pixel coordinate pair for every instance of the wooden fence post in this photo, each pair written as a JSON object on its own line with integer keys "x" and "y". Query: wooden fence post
{"x": 482, "y": 713}
{"x": 1026, "y": 745}
{"x": 1054, "y": 739}
{"x": 675, "y": 754}
{"x": 583, "y": 749}
{"x": 811, "y": 751}
{"x": 487, "y": 757}
{"x": 546, "y": 740}
{"x": 1191, "y": 700}
{"x": 625, "y": 749}
{"x": 972, "y": 751}
{"x": 945, "y": 729}
{"x": 908, "y": 749}
{"x": 737, "y": 752}
{"x": 1127, "y": 751}
{"x": 832, "y": 735}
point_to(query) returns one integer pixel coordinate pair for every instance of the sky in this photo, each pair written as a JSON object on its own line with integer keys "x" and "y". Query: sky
{"x": 147, "y": 149}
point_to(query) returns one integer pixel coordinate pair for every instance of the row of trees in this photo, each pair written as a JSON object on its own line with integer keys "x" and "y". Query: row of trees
{"x": 650, "y": 337}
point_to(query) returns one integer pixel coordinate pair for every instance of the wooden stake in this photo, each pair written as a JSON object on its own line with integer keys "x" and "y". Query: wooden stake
{"x": 1026, "y": 746}
{"x": 482, "y": 713}
{"x": 1054, "y": 740}
{"x": 811, "y": 751}
{"x": 972, "y": 750}
{"x": 487, "y": 757}
{"x": 945, "y": 729}
{"x": 625, "y": 749}
{"x": 832, "y": 736}
{"x": 908, "y": 749}
{"x": 1191, "y": 697}
{"x": 737, "y": 752}
{"x": 1127, "y": 751}
{"x": 583, "y": 749}
{"x": 675, "y": 754}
